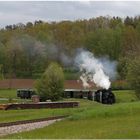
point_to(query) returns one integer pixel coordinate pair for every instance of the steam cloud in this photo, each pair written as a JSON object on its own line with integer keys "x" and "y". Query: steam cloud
{"x": 59, "y": 54}
{"x": 96, "y": 70}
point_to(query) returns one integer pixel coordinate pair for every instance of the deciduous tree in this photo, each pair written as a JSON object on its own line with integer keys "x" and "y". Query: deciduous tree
{"x": 50, "y": 86}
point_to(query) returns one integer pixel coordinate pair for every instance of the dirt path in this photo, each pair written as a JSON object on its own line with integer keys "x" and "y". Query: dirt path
{"x": 25, "y": 127}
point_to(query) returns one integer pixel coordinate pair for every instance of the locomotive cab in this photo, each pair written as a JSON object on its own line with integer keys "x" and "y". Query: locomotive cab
{"x": 104, "y": 96}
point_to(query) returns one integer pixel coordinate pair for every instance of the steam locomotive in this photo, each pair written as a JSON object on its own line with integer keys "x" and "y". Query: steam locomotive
{"x": 104, "y": 96}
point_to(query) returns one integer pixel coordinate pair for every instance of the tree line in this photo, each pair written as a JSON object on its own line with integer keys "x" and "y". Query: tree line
{"x": 27, "y": 49}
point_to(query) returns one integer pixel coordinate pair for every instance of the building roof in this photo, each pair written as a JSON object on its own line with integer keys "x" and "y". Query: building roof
{"x": 74, "y": 84}
{"x": 29, "y": 83}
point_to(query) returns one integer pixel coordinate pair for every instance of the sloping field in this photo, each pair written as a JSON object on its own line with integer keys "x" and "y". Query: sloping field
{"x": 93, "y": 121}
{"x": 90, "y": 120}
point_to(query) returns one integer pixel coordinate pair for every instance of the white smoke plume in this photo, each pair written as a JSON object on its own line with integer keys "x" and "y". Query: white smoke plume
{"x": 96, "y": 70}
{"x": 59, "y": 54}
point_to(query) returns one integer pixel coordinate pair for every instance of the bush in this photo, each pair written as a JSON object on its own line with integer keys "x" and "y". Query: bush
{"x": 133, "y": 75}
{"x": 50, "y": 86}
{"x": 120, "y": 85}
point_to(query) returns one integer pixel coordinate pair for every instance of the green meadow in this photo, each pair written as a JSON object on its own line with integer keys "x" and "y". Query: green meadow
{"x": 89, "y": 120}
{"x": 8, "y": 93}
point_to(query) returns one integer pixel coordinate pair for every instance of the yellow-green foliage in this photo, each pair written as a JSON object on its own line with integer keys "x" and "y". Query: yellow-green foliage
{"x": 50, "y": 86}
{"x": 1, "y": 72}
{"x": 133, "y": 75}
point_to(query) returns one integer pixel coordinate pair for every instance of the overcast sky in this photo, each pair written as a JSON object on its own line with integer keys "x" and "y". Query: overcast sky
{"x": 16, "y": 12}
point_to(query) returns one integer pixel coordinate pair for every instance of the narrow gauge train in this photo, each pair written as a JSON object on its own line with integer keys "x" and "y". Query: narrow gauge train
{"x": 102, "y": 95}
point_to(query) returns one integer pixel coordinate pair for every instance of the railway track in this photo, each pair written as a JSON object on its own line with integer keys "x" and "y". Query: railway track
{"x": 27, "y": 125}
{"x": 31, "y": 121}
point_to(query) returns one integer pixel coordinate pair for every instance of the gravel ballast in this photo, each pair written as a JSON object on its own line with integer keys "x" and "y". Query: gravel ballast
{"x": 25, "y": 127}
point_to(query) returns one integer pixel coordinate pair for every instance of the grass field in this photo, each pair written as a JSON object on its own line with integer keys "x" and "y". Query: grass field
{"x": 90, "y": 120}
{"x": 10, "y": 96}
{"x": 125, "y": 96}
{"x": 99, "y": 121}
{"x": 27, "y": 114}
{"x": 8, "y": 93}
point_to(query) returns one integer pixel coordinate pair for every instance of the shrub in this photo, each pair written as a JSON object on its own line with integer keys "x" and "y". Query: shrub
{"x": 120, "y": 85}
{"x": 133, "y": 75}
{"x": 50, "y": 86}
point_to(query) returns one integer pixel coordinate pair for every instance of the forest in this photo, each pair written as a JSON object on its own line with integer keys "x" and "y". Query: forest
{"x": 27, "y": 49}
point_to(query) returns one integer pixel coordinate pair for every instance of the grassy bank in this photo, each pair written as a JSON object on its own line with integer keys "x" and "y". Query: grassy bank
{"x": 28, "y": 114}
{"x": 125, "y": 96}
{"x": 8, "y": 93}
{"x": 99, "y": 121}
{"x": 90, "y": 120}
{"x": 96, "y": 108}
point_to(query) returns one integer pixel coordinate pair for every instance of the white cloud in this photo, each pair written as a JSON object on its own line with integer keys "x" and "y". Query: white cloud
{"x": 88, "y": 3}
{"x": 24, "y": 11}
